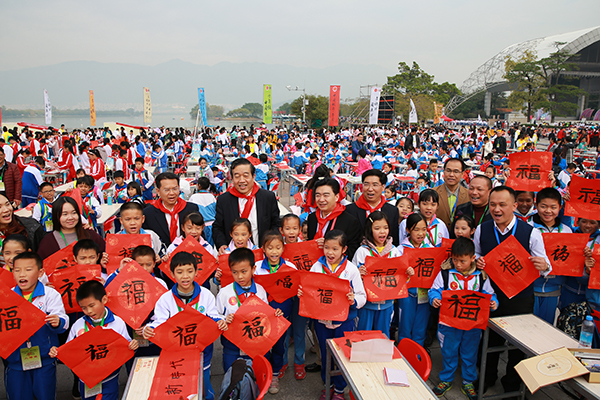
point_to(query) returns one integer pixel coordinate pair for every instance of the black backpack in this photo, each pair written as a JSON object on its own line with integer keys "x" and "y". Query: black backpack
{"x": 239, "y": 382}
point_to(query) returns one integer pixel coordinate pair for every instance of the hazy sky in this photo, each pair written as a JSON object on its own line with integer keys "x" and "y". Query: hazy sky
{"x": 449, "y": 39}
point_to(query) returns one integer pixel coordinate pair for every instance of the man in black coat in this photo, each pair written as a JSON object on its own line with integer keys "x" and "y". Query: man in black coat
{"x": 244, "y": 199}
{"x": 372, "y": 199}
{"x": 412, "y": 141}
{"x": 477, "y": 206}
{"x": 500, "y": 143}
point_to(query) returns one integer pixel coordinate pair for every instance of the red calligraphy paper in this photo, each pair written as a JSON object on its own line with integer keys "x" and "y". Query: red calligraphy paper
{"x": 447, "y": 244}
{"x": 509, "y": 266}
{"x": 565, "y": 252}
{"x": 67, "y": 280}
{"x": 465, "y": 309}
{"x": 133, "y": 293}
{"x": 529, "y": 170}
{"x": 119, "y": 246}
{"x": 386, "y": 278}
{"x": 207, "y": 263}
{"x": 345, "y": 342}
{"x": 176, "y": 375}
{"x": 324, "y": 297}
{"x": 188, "y": 329}
{"x": 594, "y": 282}
{"x": 19, "y": 320}
{"x": 60, "y": 259}
{"x": 281, "y": 285}
{"x": 7, "y": 278}
{"x": 302, "y": 254}
{"x": 95, "y": 355}
{"x": 584, "y": 199}
{"x": 426, "y": 262}
{"x": 227, "y": 277}
{"x": 255, "y": 328}
{"x": 75, "y": 194}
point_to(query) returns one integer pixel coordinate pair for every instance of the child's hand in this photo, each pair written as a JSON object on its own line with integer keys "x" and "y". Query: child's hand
{"x": 567, "y": 196}
{"x": 590, "y": 262}
{"x": 540, "y": 263}
{"x": 436, "y": 303}
{"x": 100, "y": 279}
{"x": 222, "y": 249}
{"x": 587, "y": 252}
{"x": 124, "y": 262}
{"x": 363, "y": 270}
{"x": 320, "y": 242}
{"x": 148, "y": 332}
{"x": 480, "y": 263}
{"x": 134, "y": 345}
{"x": 410, "y": 271}
{"x": 493, "y": 305}
{"x": 218, "y": 275}
{"x": 222, "y": 325}
{"x": 104, "y": 260}
{"x": 92, "y": 212}
{"x": 229, "y": 319}
{"x": 300, "y": 292}
{"x": 140, "y": 331}
{"x": 53, "y": 352}
{"x": 53, "y": 320}
{"x": 157, "y": 259}
{"x": 350, "y": 297}
{"x": 278, "y": 313}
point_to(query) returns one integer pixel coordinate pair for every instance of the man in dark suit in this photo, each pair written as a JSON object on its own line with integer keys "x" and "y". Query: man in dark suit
{"x": 331, "y": 214}
{"x": 244, "y": 199}
{"x": 500, "y": 142}
{"x": 372, "y": 199}
{"x": 164, "y": 215}
{"x": 477, "y": 206}
{"x": 412, "y": 141}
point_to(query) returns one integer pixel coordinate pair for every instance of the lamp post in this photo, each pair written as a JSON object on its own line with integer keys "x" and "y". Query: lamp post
{"x": 304, "y": 101}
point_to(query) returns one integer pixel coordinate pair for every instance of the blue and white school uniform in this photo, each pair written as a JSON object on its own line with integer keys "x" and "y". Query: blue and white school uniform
{"x": 30, "y": 184}
{"x": 375, "y": 315}
{"x": 232, "y": 247}
{"x": 207, "y": 204}
{"x": 436, "y": 231}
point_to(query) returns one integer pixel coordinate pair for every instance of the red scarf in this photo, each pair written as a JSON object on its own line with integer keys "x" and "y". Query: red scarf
{"x": 182, "y": 305}
{"x": 179, "y": 206}
{"x": 339, "y": 269}
{"x": 309, "y": 201}
{"x": 363, "y": 204}
{"x": 323, "y": 220}
{"x": 250, "y": 197}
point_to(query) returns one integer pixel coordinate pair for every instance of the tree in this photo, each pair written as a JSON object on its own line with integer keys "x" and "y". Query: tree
{"x": 525, "y": 73}
{"x": 285, "y": 108}
{"x": 317, "y": 109}
{"x": 212, "y": 111}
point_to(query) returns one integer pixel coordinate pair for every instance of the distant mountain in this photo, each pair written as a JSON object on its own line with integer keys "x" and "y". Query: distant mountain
{"x": 173, "y": 84}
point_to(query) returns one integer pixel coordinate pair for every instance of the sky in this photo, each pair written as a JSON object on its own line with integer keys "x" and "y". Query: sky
{"x": 448, "y": 39}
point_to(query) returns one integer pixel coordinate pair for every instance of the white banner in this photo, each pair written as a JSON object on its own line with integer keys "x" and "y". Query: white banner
{"x": 374, "y": 106}
{"x": 47, "y": 108}
{"x": 412, "y": 116}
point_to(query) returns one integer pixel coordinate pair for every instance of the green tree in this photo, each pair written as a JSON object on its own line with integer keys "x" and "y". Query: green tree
{"x": 212, "y": 111}
{"x": 285, "y": 108}
{"x": 525, "y": 73}
{"x": 317, "y": 109}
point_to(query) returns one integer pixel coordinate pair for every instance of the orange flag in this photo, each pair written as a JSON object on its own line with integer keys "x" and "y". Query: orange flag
{"x": 565, "y": 252}
{"x": 302, "y": 254}
{"x": 207, "y": 263}
{"x": 66, "y": 280}
{"x": 426, "y": 262}
{"x": 465, "y": 309}
{"x": 386, "y": 278}
{"x": 324, "y": 297}
{"x": 188, "y": 329}
{"x": 176, "y": 375}
{"x": 529, "y": 170}
{"x": 119, "y": 246}
{"x": 60, "y": 259}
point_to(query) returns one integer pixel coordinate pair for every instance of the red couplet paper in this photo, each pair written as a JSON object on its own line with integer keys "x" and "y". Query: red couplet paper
{"x": 60, "y": 259}
{"x": 565, "y": 252}
{"x": 119, "y": 246}
{"x": 176, "y": 375}
{"x": 426, "y": 263}
{"x": 386, "y": 278}
{"x": 227, "y": 277}
{"x": 75, "y": 194}
{"x": 324, "y": 297}
{"x": 529, "y": 170}
{"x": 188, "y": 329}
{"x": 67, "y": 280}
{"x": 19, "y": 320}
{"x": 207, "y": 263}
{"x": 255, "y": 328}
{"x": 594, "y": 282}
{"x": 281, "y": 285}
{"x": 95, "y": 355}
{"x": 302, "y": 254}
{"x": 510, "y": 268}
{"x": 345, "y": 342}
{"x": 584, "y": 198}
{"x": 133, "y": 293}
{"x": 447, "y": 244}
{"x": 7, "y": 278}
{"x": 465, "y": 309}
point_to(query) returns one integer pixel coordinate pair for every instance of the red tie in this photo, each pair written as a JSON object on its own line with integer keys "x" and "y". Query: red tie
{"x": 464, "y": 278}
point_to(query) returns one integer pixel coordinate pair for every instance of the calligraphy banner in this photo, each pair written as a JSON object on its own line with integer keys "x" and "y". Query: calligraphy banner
{"x": 565, "y": 252}
{"x": 92, "y": 109}
{"x": 447, "y": 244}
{"x": 119, "y": 246}
{"x": 427, "y": 264}
{"x": 529, "y": 170}
{"x": 334, "y": 105}
{"x": 281, "y": 285}
{"x": 95, "y": 355}
{"x": 188, "y": 329}
{"x": 66, "y": 281}
{"x": 594, "y": 282}
{"x": 133, "y": 293}
{"x": 324, "y": 297}
{"x": 207, "y": 263}
{"x": 7, "y": 278}
{"x": 19, "y": 320}
{"x": 465, "y": 309}
{"x": 386, "y": 278}
{"x": 176, "y": 375}
{"x": 509, "y": 266}
{"x": 584, "y": 199}
{"x": 302, "y": 254}
{"x": 60, "y": 259}
{"x": 227, "y": 277}
{"x": 267, "y": 107}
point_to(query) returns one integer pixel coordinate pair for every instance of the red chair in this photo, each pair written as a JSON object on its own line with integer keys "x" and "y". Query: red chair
{"x": 108, "y": 225}
{"x": 264, "y": 375}
{"x": 416, "y": 356}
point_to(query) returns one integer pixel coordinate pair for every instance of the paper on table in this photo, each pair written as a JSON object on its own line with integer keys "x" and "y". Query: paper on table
{"x": 395, "y": 377}
{"x": 373, "y": 350}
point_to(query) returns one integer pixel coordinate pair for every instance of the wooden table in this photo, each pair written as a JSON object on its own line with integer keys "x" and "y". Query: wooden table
{"x": 107, "y": 212}
{"x": 367, "y": 382}
{"x": 64, "y": 187}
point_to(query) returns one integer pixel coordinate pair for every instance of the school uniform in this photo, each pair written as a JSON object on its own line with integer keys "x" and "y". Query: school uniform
{"x": 90, "y": 202}
{"x": 436, "y": 231}
{"x": 146, "y": 181}
{"x": 207, "y": 205}
{"x": 30, "y": 185}
{"x": 39, "y": 382}
{"x": 42, "y": 212}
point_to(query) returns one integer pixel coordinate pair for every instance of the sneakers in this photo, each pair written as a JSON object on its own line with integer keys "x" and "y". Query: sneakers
{"x": 299, "y": 372}
{"x": 442, "y": 388}
{"x": 338, "y": 396}
{"x": 323, "y": 395}
{"x": 469, "y": 391}
{"x": 274, "y": 388}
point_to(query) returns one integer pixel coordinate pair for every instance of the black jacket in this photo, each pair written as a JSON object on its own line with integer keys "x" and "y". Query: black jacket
{"x": 345, "y": 222}
{"x": 500, "y": 145}
{"x": 467, "y": 209}
{"x": 267, "y": 214}
{"x": 157, "y": 222}
{"x": 390, "y": 211}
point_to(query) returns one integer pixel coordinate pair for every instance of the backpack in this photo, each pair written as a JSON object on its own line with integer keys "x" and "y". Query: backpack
{"x": 571, "y": 318}
{"x": 239, "y": 382}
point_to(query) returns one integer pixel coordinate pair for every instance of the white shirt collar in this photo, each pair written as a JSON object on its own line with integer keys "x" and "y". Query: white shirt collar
{"x": 508, "y": 227}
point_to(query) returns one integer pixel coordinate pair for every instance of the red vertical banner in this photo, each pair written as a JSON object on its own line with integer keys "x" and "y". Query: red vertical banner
{"x": 334, "y": 105}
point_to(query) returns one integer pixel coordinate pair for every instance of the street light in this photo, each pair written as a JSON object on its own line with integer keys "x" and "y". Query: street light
{"x": 304, "y": 101}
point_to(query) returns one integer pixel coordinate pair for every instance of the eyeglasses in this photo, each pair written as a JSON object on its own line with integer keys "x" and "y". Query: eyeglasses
{"x": 453, "y": 171}
{"x": 372, "y": 185}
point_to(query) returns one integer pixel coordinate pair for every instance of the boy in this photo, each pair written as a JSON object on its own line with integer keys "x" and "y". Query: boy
{"x": 92, "y": 298}
{"x": 31, "y": 181}
{"x": 120, "y": 189}
{"x": 207, "y": 204}
{"x": 435, "y": 176}
{"x": 457, "y": 274}
{"x": 132, "y": 218}
{"x": 24, "y": 381}
{"x": 144, "y": 178}
{"x": 160, "y": 157}
{"x": 91, "y": 206}
{"x": 42, "y": 211}
{"x": 262, "y": 170}
{"x": 564, "y": 177}
{"x": 525, "y": 207}
{"x": 121, "y": 162}
{"x": 429, "y": 201}
{"x": 187, "y": 292}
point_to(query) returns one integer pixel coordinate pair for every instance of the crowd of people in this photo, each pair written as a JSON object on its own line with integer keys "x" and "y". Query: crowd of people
{"x": 457, "y": 192}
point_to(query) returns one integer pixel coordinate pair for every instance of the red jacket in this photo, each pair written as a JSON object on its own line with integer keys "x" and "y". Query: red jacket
{"x": 12, "y": 182}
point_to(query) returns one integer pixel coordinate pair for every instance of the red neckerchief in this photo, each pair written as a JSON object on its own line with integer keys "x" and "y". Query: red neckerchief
{"x": 523, "y": 218}
{"x": 309, "y": 201}
{"x": 339, "y": 269}
{"x": 179, "y": 206}
{"x": 139, "y": 172}
{"x": 182, "y": 305}
{"x": 323, "y": 220}
{"x": 125, "y": 169}
{"x": 250, "y": 198}
{"x": 363, "y": 204}
{"x": 463, "y": 278}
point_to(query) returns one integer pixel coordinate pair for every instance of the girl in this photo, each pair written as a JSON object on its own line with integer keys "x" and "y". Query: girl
{"x": 436, "y": 229}
{"x": 134, "y": 191}
{"x": 97, "y": 170}
{"x": 377, "y": 243}
{"x": 405, "y": 207}
{"x": 335, "y": 263}
{"x": 464, "y": 226}
{"x": 272, "y": 246}
{"x": 390, "y": 194}
{"x": 12, "y": 246}
{"x": 414, "y": 311}
{"x": 191, "y": 225}
{"x": 241, "y": 236}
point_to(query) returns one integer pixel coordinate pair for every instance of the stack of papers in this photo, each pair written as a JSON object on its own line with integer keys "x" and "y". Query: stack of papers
{"x": 395, "y": 377}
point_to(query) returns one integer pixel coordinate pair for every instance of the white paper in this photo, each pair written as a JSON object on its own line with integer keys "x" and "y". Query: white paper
{"x": 395, "y": 377}
{"x": 373, "y": 350}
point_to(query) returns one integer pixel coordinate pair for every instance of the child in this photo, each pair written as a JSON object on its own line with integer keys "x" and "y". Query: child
{"x": 144, "y": 178}
{"x": 434, "y": 176}
{"x": 436, "y": 229}
{"x": 525, "y": 207}
{"x": 290, "y": 228}
{"x": 135, "y": 193}
{"x": 184, "y": 293}
{"x": 160, "y": 157}
{"x": 87, "y": 252}
{"x": 204, "y": 170}
{"x": 26, "y": 381}
{"x": 91, "y": 205}
{"x": 42, "y": 211}
{"x": 377, "y": 243}
{"x": 363, "y": 163}
{"x": 207, "y": 204}
{"x": 31, "y": 181}
{"x": 390, "y": 194}
{"x": 12, "y": 246}
{"x": 262, "y": 171}
{"x": 120, "y": 189}
{"x": 405, "y": 207}
{"x": 241, "y": 235}
{"x": 273, "y": 248}
{"x": 464, "y": 226}
{"x": 304, "y": 228}
{"x": 453, "y": 341}
{"x": 92, "y": 298}
{"x": 132, "y": 218}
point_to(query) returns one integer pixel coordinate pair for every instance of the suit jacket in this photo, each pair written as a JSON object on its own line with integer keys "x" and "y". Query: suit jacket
{"x": 267, "y": 214}
{"x": 443, "y": 211}
{"x": 345, "y": 222}
{"x": 389, "y": 210}
{"x": 467, "y": 209}
{"x": 157, "y": 222}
